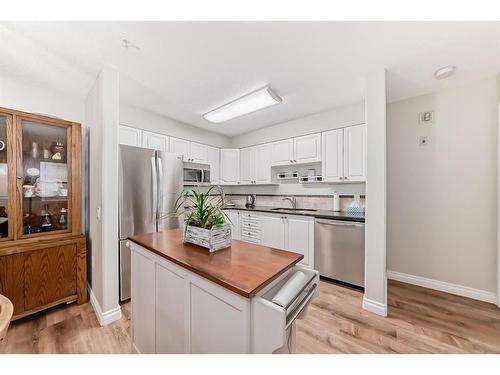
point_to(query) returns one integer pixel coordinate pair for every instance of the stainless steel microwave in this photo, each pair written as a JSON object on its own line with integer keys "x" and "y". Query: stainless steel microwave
{"x": 195, "y": 174}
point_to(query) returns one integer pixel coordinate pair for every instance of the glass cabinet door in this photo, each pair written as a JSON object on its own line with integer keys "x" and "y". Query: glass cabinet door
{"x": 45, "y": 178}
{"x": 4, "y": 178}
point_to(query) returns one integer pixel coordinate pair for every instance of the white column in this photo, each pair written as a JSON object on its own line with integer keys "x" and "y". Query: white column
{"x": 498, "y": 192}
{"x": 375, "y": 298}
{"x": 102, "y": 108}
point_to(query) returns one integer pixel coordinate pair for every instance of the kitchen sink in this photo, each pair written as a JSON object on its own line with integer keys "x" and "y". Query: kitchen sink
{"x": 292, "y": 209}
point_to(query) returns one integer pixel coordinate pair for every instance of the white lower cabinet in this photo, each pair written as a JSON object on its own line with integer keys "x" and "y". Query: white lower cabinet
{"x": 272, "y": 233}
{"x": 234, "y": 217}
{"x": 299, "y": 238}
{"x": 217, "y": 320}
{"x": 143, "y": 304}
{"x": 170, "y": 321}
{"x": 282, "y": 231}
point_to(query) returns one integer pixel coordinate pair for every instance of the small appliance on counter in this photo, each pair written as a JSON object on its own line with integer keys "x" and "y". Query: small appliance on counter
{"x": 250, "y": 201}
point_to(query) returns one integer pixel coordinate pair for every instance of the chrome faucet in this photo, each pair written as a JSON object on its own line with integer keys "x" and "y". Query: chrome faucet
{"x": 293, "y": 201}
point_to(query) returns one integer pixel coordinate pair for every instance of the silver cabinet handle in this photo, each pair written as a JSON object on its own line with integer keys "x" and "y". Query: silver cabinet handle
{"x": 19, "y": 178}
{"x": 345, "y": 178}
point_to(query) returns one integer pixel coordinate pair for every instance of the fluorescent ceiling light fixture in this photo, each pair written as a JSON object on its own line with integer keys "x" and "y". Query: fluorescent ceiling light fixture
{"x": 252, "y": 102}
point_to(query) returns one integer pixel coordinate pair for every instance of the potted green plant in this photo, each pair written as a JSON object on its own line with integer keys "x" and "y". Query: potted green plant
{"x": 206, "y": 223}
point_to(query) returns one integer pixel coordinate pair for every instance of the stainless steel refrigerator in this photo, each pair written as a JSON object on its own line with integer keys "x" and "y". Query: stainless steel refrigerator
{"x": 149, "y": 184}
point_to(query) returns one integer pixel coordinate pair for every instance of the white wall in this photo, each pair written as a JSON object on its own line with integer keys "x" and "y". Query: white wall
{"x": 15, "y": 94}
{"x": 335, "y": 118}
{"x": 375, "y": 298}
{"x": 102, "y": 119}
{"x": 442, "y": 221}
{"x": 147, "y": 120}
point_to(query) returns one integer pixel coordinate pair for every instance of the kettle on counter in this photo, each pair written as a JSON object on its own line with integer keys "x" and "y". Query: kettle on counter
{"x": 250, "y": 200}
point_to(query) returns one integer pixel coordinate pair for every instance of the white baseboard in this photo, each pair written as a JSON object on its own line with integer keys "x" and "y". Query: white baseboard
{"x": 105, "y": 317}
{"x": 374, "y": 307}
{"x": 459, "y": 290}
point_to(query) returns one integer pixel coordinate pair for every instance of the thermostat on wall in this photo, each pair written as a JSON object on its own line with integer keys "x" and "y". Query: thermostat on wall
{"x": 426, "y": 117}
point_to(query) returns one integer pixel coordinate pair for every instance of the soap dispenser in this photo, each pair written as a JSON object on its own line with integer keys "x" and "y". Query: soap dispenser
{"x": 336, "y": 202}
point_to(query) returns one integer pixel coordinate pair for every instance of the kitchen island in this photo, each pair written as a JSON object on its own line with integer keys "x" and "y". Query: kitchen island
{"x": 187, "y": 300}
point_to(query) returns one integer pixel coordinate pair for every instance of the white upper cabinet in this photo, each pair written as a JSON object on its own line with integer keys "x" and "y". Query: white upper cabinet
{"x": 180, "y": 146}
{"x": 191, "y": 151}
{"x": 307, "y": 149}
{"x": 333, "y": 155}
{"x": 213, "y": 155}
{"x": 247, "y": 165}
{"x": 282, "y": 152}
{"x": 130, "y": 136}
{"x": 262, "y": 164}
{"x": 198, "y": 153}
{"x": 155, "y": 141}
{"x": 355, "y": 153}
{"x": 229, "y": 166}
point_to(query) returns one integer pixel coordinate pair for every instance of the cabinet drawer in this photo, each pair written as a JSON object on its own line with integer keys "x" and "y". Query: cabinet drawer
{"x": 250, "y": 239}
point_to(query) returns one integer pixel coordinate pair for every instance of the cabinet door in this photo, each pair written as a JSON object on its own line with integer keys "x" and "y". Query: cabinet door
{"x": 198, "y": 153}
{"x": 307, "y": 149}
{"x": 12, "y": 280}
{"x": 181, "y": 147}
{"x": 247, "y": 165}
{"x": 155, "y": 141}
{"x": 218, "y": 320}
{"x": 298, "y": 238}
{"x": 7, "y": 177}
{"x": 355, "y": 153}
{"x": 130, "y": 136}
{"x": 49, "y": 275}
{"x": 45, "y": 188}
{"x": 170, "y": 315}
{"x": 143, "y": 303}
{"x": 272, "y": 231}
{"x": 214, "y": 162}
{"x": 229, "y": 166}
{"x": 333, "y": 155}
{"x": 262, "y": 164}
{"x": 234, "y": 217}
{"x": 282, "y": 152}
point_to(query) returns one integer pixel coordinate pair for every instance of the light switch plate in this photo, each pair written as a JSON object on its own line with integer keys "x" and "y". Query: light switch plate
{"x": 426, "y": 117}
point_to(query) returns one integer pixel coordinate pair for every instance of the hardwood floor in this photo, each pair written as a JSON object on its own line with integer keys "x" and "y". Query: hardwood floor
{"x": 420, "y": 321}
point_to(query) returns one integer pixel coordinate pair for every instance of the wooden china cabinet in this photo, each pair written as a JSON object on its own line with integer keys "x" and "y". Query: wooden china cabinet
{"x": 42, "y": 249}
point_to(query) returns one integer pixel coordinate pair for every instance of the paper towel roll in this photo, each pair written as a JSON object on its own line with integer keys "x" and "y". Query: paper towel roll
{"x": 290, "y": 289}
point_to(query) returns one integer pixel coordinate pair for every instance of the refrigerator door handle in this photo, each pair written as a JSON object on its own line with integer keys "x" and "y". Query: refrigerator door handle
{"x": 160, "y": 187}
{"x": 155, "y": 189}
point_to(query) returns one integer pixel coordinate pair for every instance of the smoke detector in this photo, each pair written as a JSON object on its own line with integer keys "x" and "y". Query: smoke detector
{"x": 445, "y": 72}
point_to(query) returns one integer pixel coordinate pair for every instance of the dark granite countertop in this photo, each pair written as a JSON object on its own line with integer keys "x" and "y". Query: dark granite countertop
{"x": 319, "y": 214}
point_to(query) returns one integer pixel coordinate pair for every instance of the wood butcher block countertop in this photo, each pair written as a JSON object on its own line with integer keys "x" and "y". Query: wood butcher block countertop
{"x": 243, "y": 268}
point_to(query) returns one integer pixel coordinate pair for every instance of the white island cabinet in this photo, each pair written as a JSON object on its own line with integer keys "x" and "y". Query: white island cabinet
{"x": 177, "y": 310}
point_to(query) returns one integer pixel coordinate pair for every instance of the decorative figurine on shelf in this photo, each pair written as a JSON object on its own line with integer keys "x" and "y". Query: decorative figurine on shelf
{"x": 63, "y": 220}
{"x": 46, "y": 153}
{"x": 46, "y": 221}
{"x": 57, "y": 150}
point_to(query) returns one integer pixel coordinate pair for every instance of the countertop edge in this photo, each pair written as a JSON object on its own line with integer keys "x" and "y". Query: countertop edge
{"x": 315, "y": 214}
{"x": 213, "y": 279}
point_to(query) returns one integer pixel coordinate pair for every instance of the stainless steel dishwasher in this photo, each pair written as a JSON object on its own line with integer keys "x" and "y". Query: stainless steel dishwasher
{"x": 339, "y": 250}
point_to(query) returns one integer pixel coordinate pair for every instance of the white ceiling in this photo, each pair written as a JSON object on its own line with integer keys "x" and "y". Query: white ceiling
{"x": 184, "y": 69}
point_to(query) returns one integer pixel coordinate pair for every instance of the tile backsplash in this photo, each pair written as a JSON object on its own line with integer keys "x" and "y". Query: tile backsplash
{"x": 318, "y": 202}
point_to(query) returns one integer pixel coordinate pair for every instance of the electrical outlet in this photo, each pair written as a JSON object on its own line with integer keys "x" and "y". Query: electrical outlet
{"x": 426, "y": 117}
{"x": 423, "y": 141}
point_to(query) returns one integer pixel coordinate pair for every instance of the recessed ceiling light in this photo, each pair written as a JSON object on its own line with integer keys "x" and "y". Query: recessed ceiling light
{"x": 445, "y": 72}
{"x": 252, "y": 102}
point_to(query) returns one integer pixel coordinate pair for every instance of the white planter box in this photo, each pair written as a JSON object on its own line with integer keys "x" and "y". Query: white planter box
{"x": 217, "y": 238}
